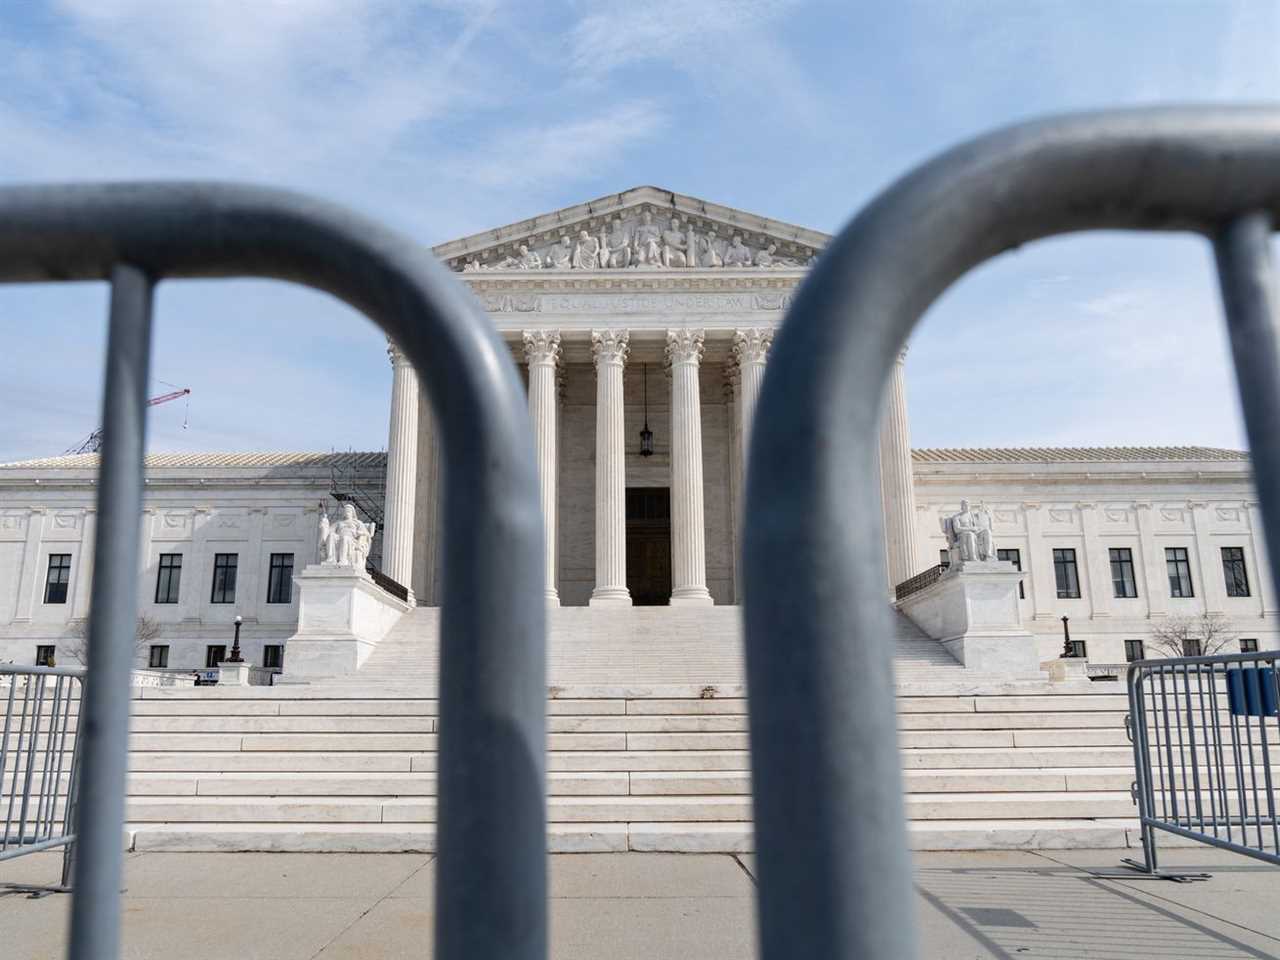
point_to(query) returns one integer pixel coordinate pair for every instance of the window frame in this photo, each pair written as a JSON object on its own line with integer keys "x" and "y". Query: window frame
{"x": 210, "y": 661}
{"x": 169, "y": 574}
{"x": 1121, "y": 559}
{"x": 267, "y": 649}
{"x": 1237, "y": 580}
{"x": 59, "y": 564}
{"x": 1079, "y": 649}
{"x": 228, "y": 565}
{"x": 163, "y": 650}
{"x": 1178, "y": 571}
{"x": 944, "y": 558}
{"x": 1193, "y": 647}
{"x": 1252, "y": 641}
{"x": 1062, "y": 565}
{"x": 1003, "y": 553}
{"x": 280, "y": 578}
{"x": 46, "y": 652}
{"x": 1128, "y": 651}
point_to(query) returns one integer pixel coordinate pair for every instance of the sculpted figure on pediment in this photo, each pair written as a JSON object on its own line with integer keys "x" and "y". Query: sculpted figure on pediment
{"x": 737, "y": 254}
{"x": 709, "y": 254}
{"x": 769, "y": 258}
{"x": 586, "y": 252}
{"x": 560, "y": 256}
{"x": 528, "y": 260}
{"x": 472, "y": 265}
{"x": 675, "y": 245}
{"x": 616, "y": 251}
{"x": 648, "y": 239}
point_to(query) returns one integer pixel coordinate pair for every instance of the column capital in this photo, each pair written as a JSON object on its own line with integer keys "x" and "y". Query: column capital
{"x": 396, "y": 356}
{"x": 610, "y": 346}
{"x": 541, "y": 347}
{"x": 751, "y": 345}
{"x": 685, "y": 346}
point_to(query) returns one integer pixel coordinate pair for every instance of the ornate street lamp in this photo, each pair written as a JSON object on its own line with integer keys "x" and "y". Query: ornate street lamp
{"x": 235, "y": 644}
{"x": 646, "y": 435}
{"x": 1067, "y": 649}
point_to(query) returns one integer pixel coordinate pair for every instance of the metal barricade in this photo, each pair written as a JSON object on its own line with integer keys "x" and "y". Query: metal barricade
{"x": 830, "y": 835}
{"x": 491, "y": 897}
{"x": 834, "y": 879}
{"x": 39, "y": 763}
{"x": 1206, "y": 751}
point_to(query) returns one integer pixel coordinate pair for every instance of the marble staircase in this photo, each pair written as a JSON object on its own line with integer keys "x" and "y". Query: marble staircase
{"x": 349, "y": 766}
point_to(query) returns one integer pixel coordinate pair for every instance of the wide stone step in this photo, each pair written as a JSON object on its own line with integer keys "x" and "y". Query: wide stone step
{"x": 723, "y": 837}
{"x": 616, "y": 809}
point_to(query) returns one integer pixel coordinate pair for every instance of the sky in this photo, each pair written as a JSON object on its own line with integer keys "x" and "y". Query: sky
{"x": 446, "y": 118}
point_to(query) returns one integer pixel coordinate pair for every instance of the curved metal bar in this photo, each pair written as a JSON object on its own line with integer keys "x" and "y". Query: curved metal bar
{"x": 834, "y": 872}
{"x": 491, "y": 896}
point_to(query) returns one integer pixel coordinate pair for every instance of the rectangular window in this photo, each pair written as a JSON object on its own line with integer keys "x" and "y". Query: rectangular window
{"x": 1133, "y": 650}
{"x": 1122, "y": 579}
{"x": 44, "y": 655}
{"x": 168, "y": 578}
{"x": 273, "y": 656}
{"x": 1192, "y": 648}
{"x": 1233, "y": 569}
{"x": 1248, "y": 646}
{"x": 944, "y": 558}
{"x": 1179, "y": 567}
{"x": 56, "y": 580}
{"x": 159, "y": 655}
{"x": 1064, "y": 570}
{"x": 1078, "y": 649}
{"x": 1014, "y": 557}
{"x": 280, "y": 580}
{"x": 214, "y": 654}
{"x": 224, "y": 577}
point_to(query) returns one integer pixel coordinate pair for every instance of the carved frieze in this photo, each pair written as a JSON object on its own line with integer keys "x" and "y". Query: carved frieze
{"x": 642, "y": 238}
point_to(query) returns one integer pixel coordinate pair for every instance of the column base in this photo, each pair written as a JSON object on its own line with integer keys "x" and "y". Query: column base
{"x": 691, "y": 597}
{"x": 553, "y": 598}
{"x": 610, "y": 596}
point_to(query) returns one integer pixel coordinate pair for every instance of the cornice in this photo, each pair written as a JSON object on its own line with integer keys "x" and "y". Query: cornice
{"x": 722, "y": 280}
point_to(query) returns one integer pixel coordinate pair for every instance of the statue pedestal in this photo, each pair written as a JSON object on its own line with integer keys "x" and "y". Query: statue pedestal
{"x": 972, "y": 610}
{"x": 1067, "y": 669}
{"x": 342, "y": 614}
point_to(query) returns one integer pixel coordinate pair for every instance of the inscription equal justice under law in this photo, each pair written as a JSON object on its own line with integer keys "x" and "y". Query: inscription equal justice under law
{"x": 606, "y": 303}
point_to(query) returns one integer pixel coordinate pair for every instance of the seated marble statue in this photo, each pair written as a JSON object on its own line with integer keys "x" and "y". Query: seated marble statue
{"x": 648, "y": 242}
{"x": 616, "y": 252}
{"x": 346, "y": 541}
{"x": 709, "y": 250}
{"x": 969, "y": 534}
{"x": 737, "y": 254}
{"x": 560, "y": 256}
{"x": 675, "y": 246}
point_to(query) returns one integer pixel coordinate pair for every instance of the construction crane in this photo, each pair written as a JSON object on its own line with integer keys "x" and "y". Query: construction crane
{"x": 93, "y": 442}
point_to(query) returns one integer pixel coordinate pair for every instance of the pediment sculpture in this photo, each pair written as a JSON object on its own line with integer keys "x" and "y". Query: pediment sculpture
{"x": 969, "y": 534}
{"x": 642, "y": 239}
{"x": 345, "y": 542}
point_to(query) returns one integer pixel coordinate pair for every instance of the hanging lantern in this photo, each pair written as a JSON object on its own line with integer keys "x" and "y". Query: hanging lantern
{"x": 646, "y": 435}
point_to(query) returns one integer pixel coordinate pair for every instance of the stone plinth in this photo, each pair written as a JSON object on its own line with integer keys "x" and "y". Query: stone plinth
{"x": 233, "y": 674}
{"x": 1067, "y": 669}
{"x": 342, "y": 614}
{"x": 972, "y": 610}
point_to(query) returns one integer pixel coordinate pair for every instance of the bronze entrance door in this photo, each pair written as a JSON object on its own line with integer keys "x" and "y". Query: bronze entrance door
{"x": 649, "y": 545}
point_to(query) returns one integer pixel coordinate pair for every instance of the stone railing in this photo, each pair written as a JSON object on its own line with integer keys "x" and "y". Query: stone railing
{"x": 162, "y": 678}
{"x": 1105, "y": 671}
{"x": 917, "y": 583}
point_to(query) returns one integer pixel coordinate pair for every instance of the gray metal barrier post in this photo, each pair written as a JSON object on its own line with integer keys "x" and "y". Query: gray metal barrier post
{"x": 491, "y": 891}
{"x": 830, "y": 835}
{"x": 37, "y": 747}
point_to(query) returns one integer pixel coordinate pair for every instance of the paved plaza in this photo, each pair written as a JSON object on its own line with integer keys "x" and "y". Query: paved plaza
{"x": 655, "y": 906}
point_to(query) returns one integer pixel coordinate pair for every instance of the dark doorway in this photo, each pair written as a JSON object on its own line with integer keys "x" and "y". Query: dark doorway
{"x": 649, "y": 545}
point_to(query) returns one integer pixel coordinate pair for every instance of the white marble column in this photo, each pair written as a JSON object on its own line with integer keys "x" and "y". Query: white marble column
{"x": 609, "y": 348}
{"x": 750, "y": 350}
{"x": 542, "y": 354}
{"x": 688, "y": 533}
{"x": 897, "y": 488}
{"x": 402, "y": 469}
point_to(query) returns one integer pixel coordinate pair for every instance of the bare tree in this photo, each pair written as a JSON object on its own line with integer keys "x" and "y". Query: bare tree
{"x": 147, "y": 630}
{"x": 1176, "y": 636}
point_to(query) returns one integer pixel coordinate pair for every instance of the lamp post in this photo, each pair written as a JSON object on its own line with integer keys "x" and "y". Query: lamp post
{"x": 235, "y": 644}
{"x": 646, "y": 435}
{"x": 1067, "y": 650}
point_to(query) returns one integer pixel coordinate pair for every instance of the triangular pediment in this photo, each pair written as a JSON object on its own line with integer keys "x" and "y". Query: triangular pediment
{"x": 645, "y": 228}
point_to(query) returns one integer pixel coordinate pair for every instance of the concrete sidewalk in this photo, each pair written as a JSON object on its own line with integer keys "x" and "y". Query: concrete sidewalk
{"x": 655, "y": 906}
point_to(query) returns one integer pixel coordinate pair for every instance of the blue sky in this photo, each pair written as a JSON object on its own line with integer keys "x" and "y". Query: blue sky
{"x": 447, "y": 118}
